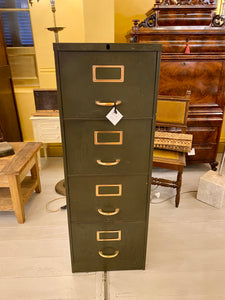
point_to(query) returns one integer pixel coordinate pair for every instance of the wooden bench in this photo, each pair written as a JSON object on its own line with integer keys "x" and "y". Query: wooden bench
{"x": 15, "y": 186}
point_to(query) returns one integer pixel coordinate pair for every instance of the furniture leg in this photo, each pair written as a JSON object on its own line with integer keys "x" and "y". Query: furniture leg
{"x": 214, "y": 165}
{"x": 39, "y": 159}
{"x": 17, "y": 200}
{"x": 35, "y": 175}
{"x": 179, "y": 181}
{"x": 45, "y": 150}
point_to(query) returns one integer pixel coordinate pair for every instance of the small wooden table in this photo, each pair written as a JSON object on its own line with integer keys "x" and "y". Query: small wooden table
{"x": 15, "y": 187}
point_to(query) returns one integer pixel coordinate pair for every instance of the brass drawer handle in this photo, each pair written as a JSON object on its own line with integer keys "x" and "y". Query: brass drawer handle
{"x": 113, "y": 163}
{"x": 115, "y": 212}
{"x": 100, "y": 103}
{"x": 108, "y": 256}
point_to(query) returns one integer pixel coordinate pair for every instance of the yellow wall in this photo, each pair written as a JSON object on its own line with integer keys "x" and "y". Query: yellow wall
{"x": 125, "y": 12}
{"x": 99, "y": 21}
{"x": 84, "y": 21}
{"x": 69, "y": 14}
{"x": 219, "y": 6}
{"x": 222, "y": 138}
{"x": 26, "y": 106}
{"x": 41, "y": 18}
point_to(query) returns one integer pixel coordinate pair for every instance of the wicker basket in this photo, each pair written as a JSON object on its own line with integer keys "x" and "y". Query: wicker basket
{"x": 173, "y": 141}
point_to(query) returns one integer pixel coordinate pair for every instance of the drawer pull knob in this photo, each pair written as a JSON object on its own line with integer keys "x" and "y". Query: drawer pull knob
{"x": 100, "y": 103}
{"x": 104, "y": 213}
{"x": 108, "y": 256}
{"x": 113, "y": 163}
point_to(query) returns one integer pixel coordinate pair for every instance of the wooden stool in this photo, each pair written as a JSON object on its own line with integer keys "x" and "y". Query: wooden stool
{"x": 15, "y": 187}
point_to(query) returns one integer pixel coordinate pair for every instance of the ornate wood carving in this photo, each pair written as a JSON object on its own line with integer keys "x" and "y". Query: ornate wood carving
{"x": 218, "y": 21}
{"x": 148, "y": 22}
{"x": 186, "y": 2}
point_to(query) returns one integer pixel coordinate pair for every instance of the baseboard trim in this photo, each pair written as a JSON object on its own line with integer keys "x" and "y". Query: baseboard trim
{"x": 221, "y": 147}
{"x": 53, "y": 150}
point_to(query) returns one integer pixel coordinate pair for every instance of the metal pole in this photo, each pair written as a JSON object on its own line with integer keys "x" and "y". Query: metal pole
{"x": 54, "y": 20}
{"x": 221, "y": 163}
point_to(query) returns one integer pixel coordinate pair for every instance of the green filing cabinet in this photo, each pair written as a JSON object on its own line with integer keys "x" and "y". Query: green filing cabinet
{"x": 107, "y": 167}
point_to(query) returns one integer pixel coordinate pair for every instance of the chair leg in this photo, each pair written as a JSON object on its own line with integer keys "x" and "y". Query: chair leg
{"x": 179, "y": 181}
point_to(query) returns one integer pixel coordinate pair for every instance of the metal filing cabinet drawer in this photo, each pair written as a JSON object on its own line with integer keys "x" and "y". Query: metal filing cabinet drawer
{"x": 97, "y": 147}
{"x": 108, "y": 198}
{"x": 110, "y": 246}
{"x": 88, "y": 100}
{"x": 107, "y": 167}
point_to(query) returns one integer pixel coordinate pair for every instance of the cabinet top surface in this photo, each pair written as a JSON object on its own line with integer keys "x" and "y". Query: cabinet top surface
{"x": 195, "y": 30}
{"x": 44, "y": 118}
{"x": 106, "y": 47}
{"x": 14, "y": 164}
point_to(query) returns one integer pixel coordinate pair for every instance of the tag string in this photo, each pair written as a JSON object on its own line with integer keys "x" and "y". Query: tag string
{"x": 115, "y": 109}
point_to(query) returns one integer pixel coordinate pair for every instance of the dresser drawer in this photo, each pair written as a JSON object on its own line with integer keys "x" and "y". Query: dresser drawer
{"x": 80, "y": 90}
{"x": 203, "y": 134}
{"x": 46, "y": 129}
{"x": 48, "y": 125}
{"x": 108, "y": 198}
{"x": 51, "y": 137}
{"x": 203, "y": 153}
{"x": 112, "y": 246}
{"x": 48, "y": 133}
{"x": 97, "y": 147}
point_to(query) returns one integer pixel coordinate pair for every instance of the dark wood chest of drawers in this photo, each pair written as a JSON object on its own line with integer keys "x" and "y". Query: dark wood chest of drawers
{"x": 107, "y": 167}
{"x": 193, "y": 58}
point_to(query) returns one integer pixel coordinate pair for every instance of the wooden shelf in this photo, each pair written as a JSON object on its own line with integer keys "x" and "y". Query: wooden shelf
{"x": 27, "y": 188}
{"x": 5, "y": 200}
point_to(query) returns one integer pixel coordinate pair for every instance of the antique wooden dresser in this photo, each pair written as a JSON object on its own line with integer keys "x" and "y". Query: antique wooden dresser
{"x": 107, "y": 167}
{"x": 193, "y": 58}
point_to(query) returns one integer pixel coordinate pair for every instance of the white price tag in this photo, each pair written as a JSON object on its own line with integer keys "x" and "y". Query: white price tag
{"x": 192, "y": 152}
{"x": 114, "y": 116}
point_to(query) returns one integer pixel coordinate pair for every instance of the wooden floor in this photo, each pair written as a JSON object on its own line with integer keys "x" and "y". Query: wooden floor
{"x": 185, "y": 257}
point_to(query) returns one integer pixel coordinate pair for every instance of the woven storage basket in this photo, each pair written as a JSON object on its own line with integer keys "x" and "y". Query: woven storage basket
{"x": 173, "y": 141}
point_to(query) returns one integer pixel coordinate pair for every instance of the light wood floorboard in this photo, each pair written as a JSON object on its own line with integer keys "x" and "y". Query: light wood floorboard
{"x": 35, "y": 256}
{"x": 185, "y": 253}
{"x": 186, "y": 249}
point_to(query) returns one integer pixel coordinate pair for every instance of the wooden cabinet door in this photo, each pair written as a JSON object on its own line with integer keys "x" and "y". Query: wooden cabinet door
{"x": 203, "y": 77}
{"x": 9, "y": 122}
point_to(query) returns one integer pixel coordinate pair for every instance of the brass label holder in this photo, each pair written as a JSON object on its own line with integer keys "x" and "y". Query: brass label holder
{"x": 95, "y": 67}
{"x": 97, "y": 193}
{"x": 120, "y": 140}
{"x": 101, "y": 239}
